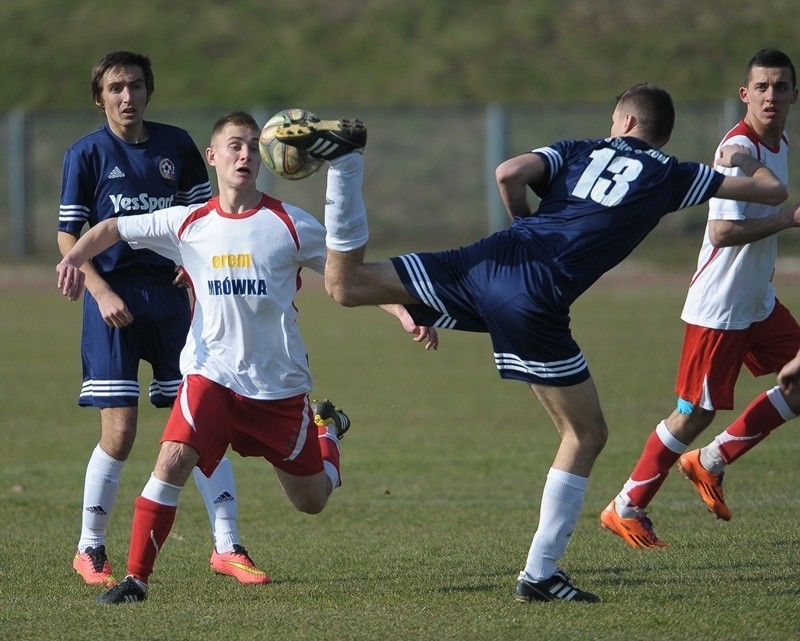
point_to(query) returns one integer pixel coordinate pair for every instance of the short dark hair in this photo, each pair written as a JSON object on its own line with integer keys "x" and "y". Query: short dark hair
{"x": 122, "y": 59}
{"x": 770, "y": 59}
{"x": 236, "y": 118}
{"x": 653, "y": 108}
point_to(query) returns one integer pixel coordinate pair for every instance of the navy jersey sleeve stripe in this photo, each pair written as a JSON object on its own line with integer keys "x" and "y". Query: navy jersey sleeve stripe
{"x": 70, "y": 215}
{"x": 698, "y": 192}
{"x": 554, "y": 160}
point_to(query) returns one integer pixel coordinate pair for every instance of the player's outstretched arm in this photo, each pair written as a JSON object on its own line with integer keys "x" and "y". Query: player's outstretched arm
{"x": 728, "y": 233}
{"x": 70, "y": 277}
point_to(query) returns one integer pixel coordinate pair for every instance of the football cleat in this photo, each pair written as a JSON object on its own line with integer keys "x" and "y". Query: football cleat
{"x": 707, "y": 484}
{"x": 325, "y": 139}
{"x": 558, "y": 586}
{"x": 239, "y": 565}
{"x": 326, "y": 414}
{"x": 637, "y": 531}
{"x": 129, "y": 591}
{"x": 93, "y": 566}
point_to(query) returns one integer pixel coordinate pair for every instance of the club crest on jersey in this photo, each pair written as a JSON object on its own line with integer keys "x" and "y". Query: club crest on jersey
{"x": 167, "y": 169}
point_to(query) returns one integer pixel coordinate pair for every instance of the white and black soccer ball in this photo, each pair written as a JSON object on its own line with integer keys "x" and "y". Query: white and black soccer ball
{"x": 284, "y": 160}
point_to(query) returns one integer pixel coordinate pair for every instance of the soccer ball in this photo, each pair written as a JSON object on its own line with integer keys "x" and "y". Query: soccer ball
{"x": 284, "y": 160}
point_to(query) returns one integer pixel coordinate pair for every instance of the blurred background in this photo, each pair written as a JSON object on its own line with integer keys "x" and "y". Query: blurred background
{"x": 447, "y": 88}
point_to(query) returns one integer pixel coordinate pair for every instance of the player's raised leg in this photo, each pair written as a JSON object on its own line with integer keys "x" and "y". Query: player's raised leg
{"x": 310, "y": 493}
{"x": 347, "y": 279}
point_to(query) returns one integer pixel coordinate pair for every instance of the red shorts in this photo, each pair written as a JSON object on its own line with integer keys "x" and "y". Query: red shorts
{"x": 210, "y": 417}
{"x": 712, "y": 358}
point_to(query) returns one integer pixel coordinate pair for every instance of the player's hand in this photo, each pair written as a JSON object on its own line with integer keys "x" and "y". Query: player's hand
{"x": 181, "y": 280}
{"x": 427, "y": 334}
{"x": 113, "y": 309}
{"x": 726, "y": 153}
{"x": 794, "y": 212}
{"x": 70, "y": 280}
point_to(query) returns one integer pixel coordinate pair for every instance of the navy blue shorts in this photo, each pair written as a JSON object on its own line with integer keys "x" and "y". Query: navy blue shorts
{"x": 111, "y": 356}
{"x": 499, "y": 286}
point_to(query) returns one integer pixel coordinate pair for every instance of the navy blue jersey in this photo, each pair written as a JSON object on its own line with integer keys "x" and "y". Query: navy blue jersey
{"x": 601, "y": 199}
{"x": 105, "y": 177}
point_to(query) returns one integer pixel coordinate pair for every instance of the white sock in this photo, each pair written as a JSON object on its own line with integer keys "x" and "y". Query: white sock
{"x": 562, "y": 499}
{"x": 219, "y": 495}
{"x": 711, "y": 458}
{"x": 161, "y": 492}
{"x": 345, "y": 213}
{"x": 330, "y": 469}
{"x": 623, "y": 505}
{"x": 99, "y": 496}
{"x": 332, "y": 473}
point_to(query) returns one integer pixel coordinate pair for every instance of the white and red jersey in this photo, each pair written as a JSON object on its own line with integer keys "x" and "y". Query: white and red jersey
{"x": 244, "y": 270}
{"x": 732, "y": 287}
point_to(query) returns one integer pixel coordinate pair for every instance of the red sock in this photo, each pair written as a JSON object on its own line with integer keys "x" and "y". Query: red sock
{"x": 152, "y": 523}
{"x": 751, "y": 427}
{"x": 652, "y": 468}
{"x": 329, "y": 446}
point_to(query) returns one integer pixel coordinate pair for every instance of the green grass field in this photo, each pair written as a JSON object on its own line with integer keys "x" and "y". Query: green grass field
{"x": 442, "y": 470}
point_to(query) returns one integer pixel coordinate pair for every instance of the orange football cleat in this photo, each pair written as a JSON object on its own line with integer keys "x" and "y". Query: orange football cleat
{"x": 707, "y": 484}
{"x": 239, "y": 565}
{"x": 636, "y": 531}
{"x": 93, "y": 566}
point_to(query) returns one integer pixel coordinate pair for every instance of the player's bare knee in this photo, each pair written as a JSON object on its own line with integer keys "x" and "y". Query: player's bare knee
{"x": 591, "y": 436}
{"x": 116, "y": 444}
{"x": 602, "y": 435}
{"x": 596, "y": 437}
{"x": 310, "y": 504}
